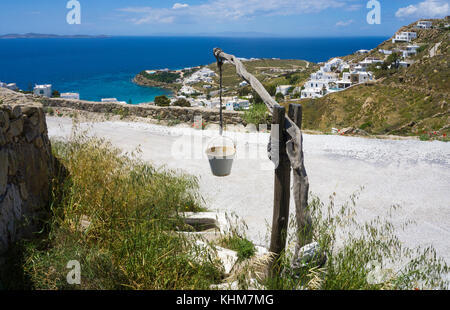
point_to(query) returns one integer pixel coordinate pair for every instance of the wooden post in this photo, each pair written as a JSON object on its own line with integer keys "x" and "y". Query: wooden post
{"x": 303, "y": 217}
{"x": 282, "y": 187}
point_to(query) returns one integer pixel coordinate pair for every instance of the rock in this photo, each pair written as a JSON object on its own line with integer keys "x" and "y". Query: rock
{"x": 3, "y": 171}
{"x": 23, "y": 191}
{"x": 308, "y": 257}
{"x": 38, "y": 142}
{"x": 227, "y": 257}
{"x": 4, "y": 121}
{"x": 347, "y": 131}
{"x": 16, "y": 112}
{"x": 16, "y": 127}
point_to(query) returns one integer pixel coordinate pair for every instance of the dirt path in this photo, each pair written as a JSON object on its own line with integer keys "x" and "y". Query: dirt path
{"x": 412, "y": 174}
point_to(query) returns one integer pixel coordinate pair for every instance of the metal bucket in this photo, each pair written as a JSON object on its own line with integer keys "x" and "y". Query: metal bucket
{"x": 221, "y": 159}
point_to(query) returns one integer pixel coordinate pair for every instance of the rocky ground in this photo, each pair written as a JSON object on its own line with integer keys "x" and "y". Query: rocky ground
{"x": 409, "y": 173}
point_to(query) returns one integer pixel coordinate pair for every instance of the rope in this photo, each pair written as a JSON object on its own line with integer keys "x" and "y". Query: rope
{"x": 220, "y": 64}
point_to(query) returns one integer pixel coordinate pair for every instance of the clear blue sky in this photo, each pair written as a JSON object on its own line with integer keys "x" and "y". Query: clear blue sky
{"x": 301, "y": 18}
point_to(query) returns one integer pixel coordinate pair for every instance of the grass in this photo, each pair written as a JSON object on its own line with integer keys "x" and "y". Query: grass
{"x": 245, "y": 249}
{"x": 257, "y": 114}
{"x": 115, "y": 215}
{"x": 354, "y": 248}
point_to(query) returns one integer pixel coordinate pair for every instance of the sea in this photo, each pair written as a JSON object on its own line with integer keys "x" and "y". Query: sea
{"x": 99, "y": 68}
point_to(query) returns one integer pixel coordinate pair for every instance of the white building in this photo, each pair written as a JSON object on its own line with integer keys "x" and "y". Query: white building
{"x": 334, "y": 63}
{"x": 283, "y": 89}
{"x": 3, "y": 85}
{"x": 385, "y": 52}
{"x": 109, "y": 100}
{"x": 362, "y": 52}
{"x": 235, "y": 104}
{"x": 187, "y": 90}
{"x": 243, "y": 84}
{"x": 43, "y": 90}
{"x": 411, "y": 50}
{"x": 312, "y": 93}
{"x": 12, "y": 86}
{"x": 424, "y": 24}
{"x": 75, "y": 96}
{"x": 404, "y": 37}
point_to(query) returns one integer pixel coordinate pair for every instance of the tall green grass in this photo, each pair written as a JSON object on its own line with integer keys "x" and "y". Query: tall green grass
{"x": 355, "y": 248}
{"x": 116, "y": 216}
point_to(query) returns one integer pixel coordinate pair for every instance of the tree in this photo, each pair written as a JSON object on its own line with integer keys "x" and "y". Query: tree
{"x": 279, "y": 97}
{"x": 393, "y": 60}
{"x": 56, "y": 94}
{"x": 162, "y": 101}
{"x": 182, "y": 103}
{"x": 271, "y": 89}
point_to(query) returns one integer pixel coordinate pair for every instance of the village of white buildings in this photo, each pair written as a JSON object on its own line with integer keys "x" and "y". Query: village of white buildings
{"x": 333, "y": 76}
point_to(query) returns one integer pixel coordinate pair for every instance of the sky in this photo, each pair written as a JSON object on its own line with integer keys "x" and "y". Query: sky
{"x": 284, "y": 18}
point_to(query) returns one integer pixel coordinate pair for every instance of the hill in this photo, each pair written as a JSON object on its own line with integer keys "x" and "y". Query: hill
{"x": 406, "y": 101}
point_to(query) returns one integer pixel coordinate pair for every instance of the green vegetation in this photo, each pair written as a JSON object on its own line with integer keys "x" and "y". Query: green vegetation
{"x": 354, "y": 249}
{"x": 257, "y": 114}
{"x": 56, "y": 94}
{"x": 162, "y": 101}
{"x": 123, "y": 112}
{"x": 49, "y": 111}
{"x": 182, "y": 103}
{"x": 245, "y": 249}
{"x": 116, "y": 216}
{"x": 162, "y": 77}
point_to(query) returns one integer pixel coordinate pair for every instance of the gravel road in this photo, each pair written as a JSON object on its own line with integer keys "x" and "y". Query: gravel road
{"x": 409, "y": 173}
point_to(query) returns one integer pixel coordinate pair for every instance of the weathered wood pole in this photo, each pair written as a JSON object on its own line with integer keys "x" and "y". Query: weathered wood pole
{"x": 303, "y": 217}
{"x": 282, "y": 189}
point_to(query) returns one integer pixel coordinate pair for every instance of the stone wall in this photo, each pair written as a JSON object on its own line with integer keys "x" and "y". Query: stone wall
{"x": 26, "y": 166}
{"x": 182, "y": 114}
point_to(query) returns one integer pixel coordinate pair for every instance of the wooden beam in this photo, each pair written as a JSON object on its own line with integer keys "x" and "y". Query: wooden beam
{"x": 301, "y": 191}
{"x": 282, "y": 185}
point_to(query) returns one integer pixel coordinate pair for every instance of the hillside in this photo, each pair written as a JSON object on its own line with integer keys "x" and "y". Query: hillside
{"x": 407, "y": 101}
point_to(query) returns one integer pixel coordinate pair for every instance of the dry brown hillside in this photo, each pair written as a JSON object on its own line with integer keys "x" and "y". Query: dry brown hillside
{"x": 407, "y": 101}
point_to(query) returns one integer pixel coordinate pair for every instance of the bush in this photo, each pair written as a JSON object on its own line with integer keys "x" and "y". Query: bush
{"x": 279, "y": 97}
{"x": 163, "y": 77}
{"x": 257, "y": 114}
{"x": 56, "y": 94}
{"x": 353, "y": 250}
{"x": 245, "y": 249}
{"x": 116, "y": 216}
{"x": 182, "y": 103}
{"x": 162, "y": 101}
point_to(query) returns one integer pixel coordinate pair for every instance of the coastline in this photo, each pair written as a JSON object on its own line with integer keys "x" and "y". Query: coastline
{"x": 143, "y": 82}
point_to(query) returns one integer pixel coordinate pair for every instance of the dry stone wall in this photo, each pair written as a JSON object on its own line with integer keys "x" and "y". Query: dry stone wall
{"x": 26, "y": 166}
{"x": 183, "y": 114}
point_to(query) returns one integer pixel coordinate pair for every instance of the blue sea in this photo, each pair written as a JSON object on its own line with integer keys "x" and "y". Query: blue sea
{"x": 104, "y": 67}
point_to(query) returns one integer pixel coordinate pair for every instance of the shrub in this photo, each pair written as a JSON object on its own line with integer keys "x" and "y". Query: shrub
{"x": 279, "y": 97}
{"x": 245, "y": 249}
{"x": 162, "y": 101}
{"x": 353, "y": 248}
{"x": 182, "y": 103}
{"x": 128, "y": 242}
{"x": 257, "y": 114}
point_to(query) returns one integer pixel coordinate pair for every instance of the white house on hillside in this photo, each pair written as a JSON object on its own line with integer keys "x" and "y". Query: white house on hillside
{"x": 404, "y": 37}
{"x": 12, "y": 86}
{"x": 74, "y": 96}
{"x": 43, "y": 90}
{"x": 424, "y": 24}
{"x": 283, "y": 89}
{"x": 411, "y": 50}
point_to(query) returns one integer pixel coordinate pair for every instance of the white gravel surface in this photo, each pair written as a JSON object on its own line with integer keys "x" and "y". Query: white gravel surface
{"x": 409, "y": 173}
